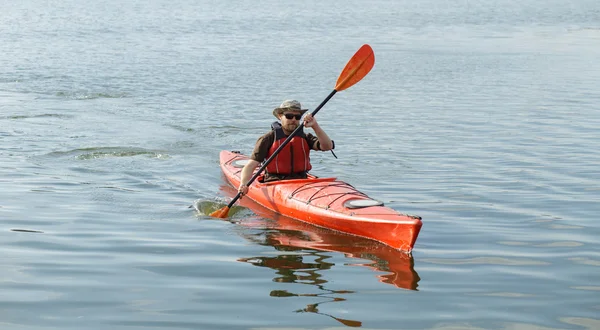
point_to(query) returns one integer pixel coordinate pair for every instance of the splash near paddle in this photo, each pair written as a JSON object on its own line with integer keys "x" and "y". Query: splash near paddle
{"x": 357, "y": 68}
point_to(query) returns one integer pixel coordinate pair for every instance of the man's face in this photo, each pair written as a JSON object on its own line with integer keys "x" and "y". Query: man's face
{"x": 291, "y": 123}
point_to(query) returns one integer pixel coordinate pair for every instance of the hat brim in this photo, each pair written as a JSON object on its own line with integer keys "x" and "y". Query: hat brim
{"x": 278, "y": 111}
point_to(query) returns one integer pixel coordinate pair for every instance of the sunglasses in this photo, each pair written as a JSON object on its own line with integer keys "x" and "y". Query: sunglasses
{"x": 290, "y": 116}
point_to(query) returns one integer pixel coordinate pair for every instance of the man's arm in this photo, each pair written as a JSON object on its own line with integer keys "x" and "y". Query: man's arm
{"x": 325, "y": 142}
{"x": 247, "y": 173}
{"x": 259, "y": 153}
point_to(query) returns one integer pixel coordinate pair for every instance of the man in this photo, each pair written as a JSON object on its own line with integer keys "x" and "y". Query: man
{"x": 293, "y": 161}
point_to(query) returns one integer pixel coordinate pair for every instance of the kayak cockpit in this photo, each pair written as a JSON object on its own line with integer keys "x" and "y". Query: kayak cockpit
{"x": 309, "y": 180}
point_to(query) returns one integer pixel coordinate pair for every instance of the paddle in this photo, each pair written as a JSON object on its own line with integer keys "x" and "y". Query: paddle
{"x": 357, "y": 68}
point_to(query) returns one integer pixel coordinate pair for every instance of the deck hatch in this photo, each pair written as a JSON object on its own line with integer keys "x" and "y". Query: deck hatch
{"x": 360, "y": 203}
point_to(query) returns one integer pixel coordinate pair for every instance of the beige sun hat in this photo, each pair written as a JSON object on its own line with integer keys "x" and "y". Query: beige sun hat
{"x": 290, "y": 105}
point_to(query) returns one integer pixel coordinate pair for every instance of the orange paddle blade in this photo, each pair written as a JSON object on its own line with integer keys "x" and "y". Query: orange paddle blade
{"x": 349, "y": 323}
{"x": 221, "y": 213}
{"x": 357, "y": 68}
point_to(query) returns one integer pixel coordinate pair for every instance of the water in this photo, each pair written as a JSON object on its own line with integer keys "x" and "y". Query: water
{"x": 481, "y": 117}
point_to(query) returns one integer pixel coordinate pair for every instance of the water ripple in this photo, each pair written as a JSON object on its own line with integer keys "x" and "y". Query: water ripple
{"x": 487, "y": 261}
{"x": 104, "y": 152}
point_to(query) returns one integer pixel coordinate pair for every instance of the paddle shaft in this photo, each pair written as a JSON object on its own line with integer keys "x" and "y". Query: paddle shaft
{"x": 289, "y": 138}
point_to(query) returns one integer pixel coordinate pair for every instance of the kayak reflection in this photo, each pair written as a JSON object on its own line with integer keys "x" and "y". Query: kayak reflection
{"x": 307, "y": 242}
{"x": 292, "y": 268}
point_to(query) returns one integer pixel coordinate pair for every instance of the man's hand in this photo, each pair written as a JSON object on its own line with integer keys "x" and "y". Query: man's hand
{"x": 310, "y": 121}
{"x": 243, "y": 190}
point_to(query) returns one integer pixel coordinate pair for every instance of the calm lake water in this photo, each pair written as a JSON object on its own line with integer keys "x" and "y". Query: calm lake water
{"x": 482, "y": 117}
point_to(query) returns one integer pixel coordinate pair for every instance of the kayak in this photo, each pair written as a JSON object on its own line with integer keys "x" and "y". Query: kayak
{"x": 392, "y": 266}
{"x": 328, "y": 203}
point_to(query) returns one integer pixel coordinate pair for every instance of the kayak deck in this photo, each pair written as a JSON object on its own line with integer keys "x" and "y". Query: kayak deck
{"x": 329, "y": 203}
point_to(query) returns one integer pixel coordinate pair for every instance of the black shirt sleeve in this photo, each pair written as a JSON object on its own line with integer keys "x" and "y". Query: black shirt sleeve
{"x": 262, "y": 146}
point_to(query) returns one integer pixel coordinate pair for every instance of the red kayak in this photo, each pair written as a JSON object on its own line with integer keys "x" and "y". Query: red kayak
{"x": 328, "y": 203}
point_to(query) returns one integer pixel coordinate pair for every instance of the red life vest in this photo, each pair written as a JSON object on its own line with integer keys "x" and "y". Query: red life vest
{"x": 293, "y": 158}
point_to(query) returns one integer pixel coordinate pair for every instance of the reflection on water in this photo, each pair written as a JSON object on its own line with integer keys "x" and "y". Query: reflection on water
{"x": 292, "y": 268}
{"x": 304, "y": 253}
{"x": 305, "y": 242}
